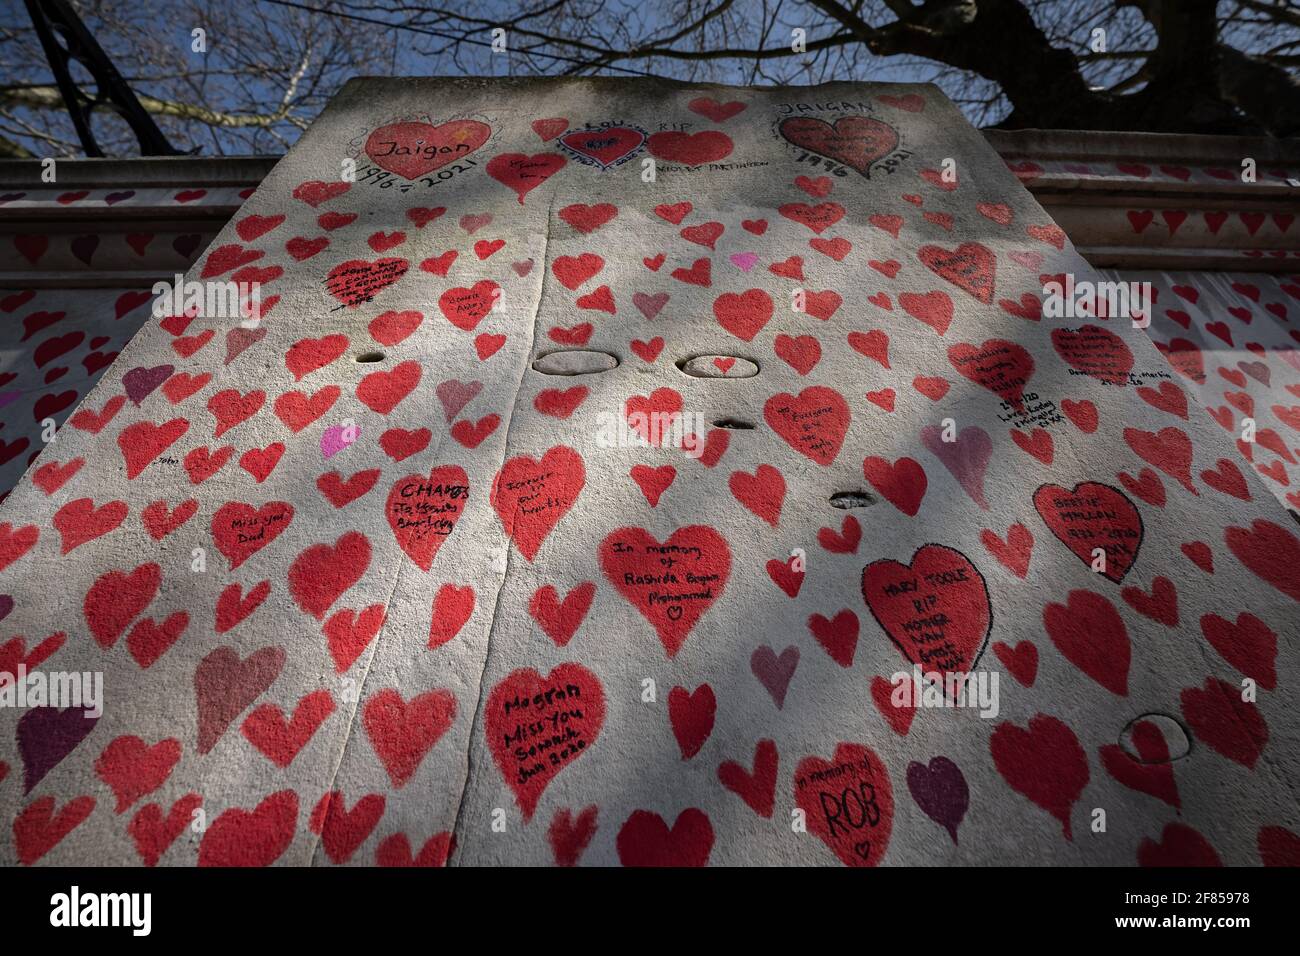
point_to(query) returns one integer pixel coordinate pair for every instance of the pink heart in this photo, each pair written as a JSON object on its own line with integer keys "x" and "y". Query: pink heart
{"x": 337, "y": 437}
{"x": 744, "y": 261}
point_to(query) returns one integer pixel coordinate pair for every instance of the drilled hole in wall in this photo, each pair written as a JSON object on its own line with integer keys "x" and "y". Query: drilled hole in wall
{"x": 735, "y": 424}
{"x": 846, "y": 500}
{"x": 575, "y": 362}
{"x": 1161, "y": 740}
{"x": 367, "y": 357}
{"x": 717, "y": 366}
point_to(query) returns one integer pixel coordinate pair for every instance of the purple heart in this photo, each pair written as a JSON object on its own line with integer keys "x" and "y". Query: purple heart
{"x": 6, "y": 606}
{"x": 83, "y": 247}
{"x": 966, "y": 458}
{"x": 456, "y": 395}
{"x": 773, "y": 672}
{"x": 1257, "y": 370}
{"x": 186, "y": 245}
{"x": 940, "y": 791}
{"x": 11, "y": 197}
{"x": 649, "y": 305}
{"x": 46, "y": 735}
{"x": 8, "y": 398}
{"x": 113, "y": 198}
{"x": 140, "y": 382}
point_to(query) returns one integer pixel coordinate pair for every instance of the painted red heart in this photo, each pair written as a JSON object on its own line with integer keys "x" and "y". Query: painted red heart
{"x": 358, "y": 281}
{"x": 1179, "y": 846}
{"x": 671, "y": 584}
{"x": 690, "y": 149}
{"x": 1043, "y": 763}
{"x": 38, "y": 829}
{"x": 606, "y": 145}
{"x": 1270, "y": 551}
{"x": 466, "y": 307}
{"x": 321, "y": 573}
{"x": 80, "y": 521}
{"x": 256, "y": 837}
{"x": 142, "y": 442}
{"x": 1249, "y": 645}
{"x": 423, "y": 510}
{"x": 757, "y": 788}
{"x": 855, "y": 141}
{"x": 935, "y": 608}
{"x": 342, "y": 830}
{"x": 763, "y": 492}
{"x": 116, "y": 599}
{"x": 1224, "y": 722}
{"x": 348, "y": 633}
{"x": 383, "y": 391}
{"x": 568, "y": 837}
{"x": 848, "y": 802}
{"x": 903, "y": 483}
{"x": 1001, "y": 366}
{"x": 560, "y": 619}
{"x": 153, "y": 833}
{"x": 932, "y": 308}
{"x": 971, "y": 267}
{"x": 1169, "y": 450}
{"x": 413, "y": 149}
{"x": 813, "y": 423}
{"x": 1089, "y": 632}
{"x": 403, "y": 732}
{"x": 536, "y": 727}
{"x": 743, "y": 314}
{"x": 1160, "y": 605}
{"x": 1093, "y": 516}
{"x": 1150, "y": 772}
{"x": 133, "y": 769}
{"x": 522, "y": 173}
{"x": 691, "y": 715}
{"x": 899, "y": 711}
{"x": 240, "y": 530}
{"x": 1095, "y": 351}
{"x": 530, "y": 495}
{"x": 281, "y": 740}
{"x": 645, "y": 839}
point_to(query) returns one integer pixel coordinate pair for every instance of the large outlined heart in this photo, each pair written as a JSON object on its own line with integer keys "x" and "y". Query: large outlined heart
{"x": 935, "y": 609}
{"x": 1093, "y": 516}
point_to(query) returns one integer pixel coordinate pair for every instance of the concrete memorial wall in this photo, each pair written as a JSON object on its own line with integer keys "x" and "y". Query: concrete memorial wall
{"x": 554, "y": 512}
